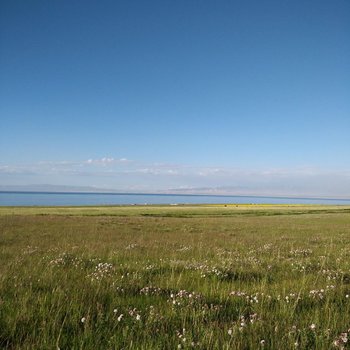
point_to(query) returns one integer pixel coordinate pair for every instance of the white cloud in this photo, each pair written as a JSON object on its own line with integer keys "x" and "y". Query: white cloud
{"x": 106, "y": 161}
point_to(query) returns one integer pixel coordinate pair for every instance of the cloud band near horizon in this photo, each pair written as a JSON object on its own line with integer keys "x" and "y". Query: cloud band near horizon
{"x": 130, "y": 175}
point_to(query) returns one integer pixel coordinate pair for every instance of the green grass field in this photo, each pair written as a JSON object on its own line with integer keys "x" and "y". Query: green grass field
{"x": 175, "y": 277}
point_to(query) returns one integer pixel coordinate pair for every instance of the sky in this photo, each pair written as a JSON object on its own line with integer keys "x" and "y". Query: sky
{"x": 242, "y": 97}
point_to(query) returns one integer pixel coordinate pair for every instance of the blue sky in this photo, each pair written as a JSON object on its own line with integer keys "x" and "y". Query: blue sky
{"x": 242, "y": 96}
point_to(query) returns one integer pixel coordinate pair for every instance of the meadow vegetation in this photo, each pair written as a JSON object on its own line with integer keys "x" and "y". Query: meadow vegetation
{"x": 175, "y": 277}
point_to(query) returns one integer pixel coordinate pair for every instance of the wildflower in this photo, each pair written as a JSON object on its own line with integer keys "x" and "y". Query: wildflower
{"x": 120, "y": 317}
{"x": 312, "y": 326}
{"x": 83, "y": 320}
{"x": 344, "y": 337}
{"x": 262, "y": 342}
{"x": 229, "y": 331}
{"x": 341, "y": 341}
{"x": 138, "y": 317}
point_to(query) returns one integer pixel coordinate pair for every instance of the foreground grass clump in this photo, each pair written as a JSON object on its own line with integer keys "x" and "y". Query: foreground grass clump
{"x": 216, "y": 277}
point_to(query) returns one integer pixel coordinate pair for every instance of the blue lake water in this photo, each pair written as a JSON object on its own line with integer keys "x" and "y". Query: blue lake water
{"x": 65, "y": 198}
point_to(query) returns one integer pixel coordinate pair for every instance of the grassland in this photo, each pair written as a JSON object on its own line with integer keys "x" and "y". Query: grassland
{"x": 175, "y": 277}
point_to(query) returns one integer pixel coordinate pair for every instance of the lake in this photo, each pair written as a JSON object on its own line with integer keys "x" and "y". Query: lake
{"x": 83, "y": 198}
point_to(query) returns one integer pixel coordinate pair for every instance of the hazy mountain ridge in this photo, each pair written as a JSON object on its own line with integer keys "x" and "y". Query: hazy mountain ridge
{"x": 214, "y": 191}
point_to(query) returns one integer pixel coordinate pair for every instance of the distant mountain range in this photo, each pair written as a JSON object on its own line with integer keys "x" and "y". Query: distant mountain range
{"x": 218, "y": 191}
